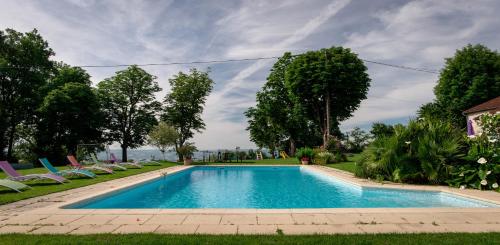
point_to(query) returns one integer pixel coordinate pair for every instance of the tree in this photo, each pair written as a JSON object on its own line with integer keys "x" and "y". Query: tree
{"x": 357, "y": 140}
{"x": 128, "y": 101}
{"x": 69, "y": 115}
{"x": 24, "y": 69}
{"x": 163, "y": 136}
{"x": 470, "y": 77}
{"x": 380, "y": 130}
{"x": 329, "y": 84}
{"x": 262, "y": 132}
{"x": 184, "y": 104}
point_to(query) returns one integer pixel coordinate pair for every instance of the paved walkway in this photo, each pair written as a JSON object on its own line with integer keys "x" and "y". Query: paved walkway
{"x": 43, "y": 215}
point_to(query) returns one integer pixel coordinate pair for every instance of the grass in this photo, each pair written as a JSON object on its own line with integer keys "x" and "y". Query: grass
{"x": 41, "y": 188}
{"x": 406, "y": 239}
{"x": 348, "y": 166}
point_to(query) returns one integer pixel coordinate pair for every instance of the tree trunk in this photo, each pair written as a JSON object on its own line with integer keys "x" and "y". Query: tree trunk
{"x": 327, "y": 119}
{"x": 292, "y": 147}
{"x": 124, "y": 153}
{"x": 10, "y": 148}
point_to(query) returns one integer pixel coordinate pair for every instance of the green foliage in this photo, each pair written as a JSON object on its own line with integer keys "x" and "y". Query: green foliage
{"x": 163, "y": 136}
{"x": 283, "y": 119}
{"x": 24, "y": 67}
{"x": 327, "y": 82}
{"x": 128, "y": 101}
{"x": 187, "y": 150}
{"x": 380, "y": 130}
{"x": 469, "y": 78}
{"x": 304, "y": 153}
{"x": 357, "y": 140}
{"x": 324, "y": 157}
{"x": 262, "y": 131}
{"x": 251, "y": 154}
{"x": 184, "y": 104}
{"x": 481, "y": 168}
{"x": 422, "y": 152}
{"x": 490, "y": 125}
{"x": 69, "y": 115}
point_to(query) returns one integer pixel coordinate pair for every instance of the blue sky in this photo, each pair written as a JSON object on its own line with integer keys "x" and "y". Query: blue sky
{"x": 410, "y": 33}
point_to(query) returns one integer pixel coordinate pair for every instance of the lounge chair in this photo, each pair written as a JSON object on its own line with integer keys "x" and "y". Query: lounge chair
{"x": 75, "y": 164}
{"x": 14, "y": 185}
{"x": 14, "y": 175}
{"x": 67, "y": 172}
{"x": 93, "y": 159}
{"x": 116, "y": 161}
{"x": 149, "y": 162}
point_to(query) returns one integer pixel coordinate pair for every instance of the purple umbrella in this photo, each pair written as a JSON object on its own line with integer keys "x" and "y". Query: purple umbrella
{"x": 470, "y": 129}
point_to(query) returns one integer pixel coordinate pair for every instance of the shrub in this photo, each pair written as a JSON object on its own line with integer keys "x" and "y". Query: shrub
{"x": 324, "y": 157}
{"x": 423, "y": 151}
{"x": 187, "y": 150}
{"x": 304, "y": 152}
{"x": 481, "y": 170}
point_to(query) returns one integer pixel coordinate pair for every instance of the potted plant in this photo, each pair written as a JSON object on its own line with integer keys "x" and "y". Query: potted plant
{"x": 304, "y": 155}
{"x": 187, "y": 151}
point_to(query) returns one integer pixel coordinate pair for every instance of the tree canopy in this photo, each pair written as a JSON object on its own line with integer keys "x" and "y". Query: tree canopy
{"x": 163, "y": 136}
{"x": 470, "y": 77}
{"x": 329, "y": 84}
{"x": 24, "y": 68}
{"x": 184, "y": 104}
{"x": 128, "y": 101}
{"x": 69, "y": 116}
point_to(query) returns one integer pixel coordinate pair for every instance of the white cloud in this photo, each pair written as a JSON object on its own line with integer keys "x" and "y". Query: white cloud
{"x": 411, "y": 33}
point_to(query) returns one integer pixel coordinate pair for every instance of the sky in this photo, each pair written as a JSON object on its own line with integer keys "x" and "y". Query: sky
{"x": 409, "y": 33}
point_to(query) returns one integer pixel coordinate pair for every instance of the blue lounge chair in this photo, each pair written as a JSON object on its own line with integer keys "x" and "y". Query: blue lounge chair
{"x": 71, "y": 172}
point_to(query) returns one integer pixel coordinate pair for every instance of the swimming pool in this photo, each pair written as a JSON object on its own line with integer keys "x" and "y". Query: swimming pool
{"x": 266, "y": 187}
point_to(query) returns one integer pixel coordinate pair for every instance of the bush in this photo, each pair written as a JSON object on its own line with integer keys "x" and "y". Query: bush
{"x": 323, "y": 157}
{"x": 481, "y": 169}
{"x": 422, "y": 152}
{"x": 304, "y": 152}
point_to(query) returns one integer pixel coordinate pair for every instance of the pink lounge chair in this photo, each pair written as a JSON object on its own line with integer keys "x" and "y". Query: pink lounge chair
{"x": 14, "y": 175}
{"x": 95, "y": 167}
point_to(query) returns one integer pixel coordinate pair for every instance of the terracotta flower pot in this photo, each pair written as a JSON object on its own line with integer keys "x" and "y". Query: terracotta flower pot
{"x": 188, "y": 161}
{"x": 305, "y": 161}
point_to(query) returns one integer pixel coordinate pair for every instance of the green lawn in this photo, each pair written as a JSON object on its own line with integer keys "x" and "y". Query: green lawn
{"x": 405, "y": 239}
{"x": 348, "y": 165}
{"x": 46, "y": 187}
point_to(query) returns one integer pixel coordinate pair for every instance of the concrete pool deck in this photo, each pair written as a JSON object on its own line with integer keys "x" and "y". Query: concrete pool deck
{"x": 44, "y": 215}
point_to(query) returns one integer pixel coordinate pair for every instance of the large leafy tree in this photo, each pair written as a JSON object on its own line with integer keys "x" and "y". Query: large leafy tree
{"x": 283, "y": 118}
{"x": 184, "y": 104}
{"x": 70, "y": 115}
{"x": 329, "y": 84}
{"x": 262, "y": 132}
{"x": 24, "y": 69}
{"x": 128, "y": 100}
{"x": 470, "y": 77}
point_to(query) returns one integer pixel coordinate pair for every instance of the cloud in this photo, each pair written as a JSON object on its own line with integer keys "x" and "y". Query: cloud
{"x": 410, "y": 33}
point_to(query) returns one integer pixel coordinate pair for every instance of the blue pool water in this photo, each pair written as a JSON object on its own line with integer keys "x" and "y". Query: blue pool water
{"x": 266, "y": 187}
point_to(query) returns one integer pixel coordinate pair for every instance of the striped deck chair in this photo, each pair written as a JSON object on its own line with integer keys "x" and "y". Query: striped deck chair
{"x": 14, "y": 185}
{"x": 67, "y": 172}
{"x": 130, "y": 164}
{"x": 75, "y": 164}
{"x": 93, "y": 159}
{"x": 14, "y": 175}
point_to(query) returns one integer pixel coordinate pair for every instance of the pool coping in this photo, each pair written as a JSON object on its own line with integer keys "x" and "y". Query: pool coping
{"x": 50, "y": 206}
